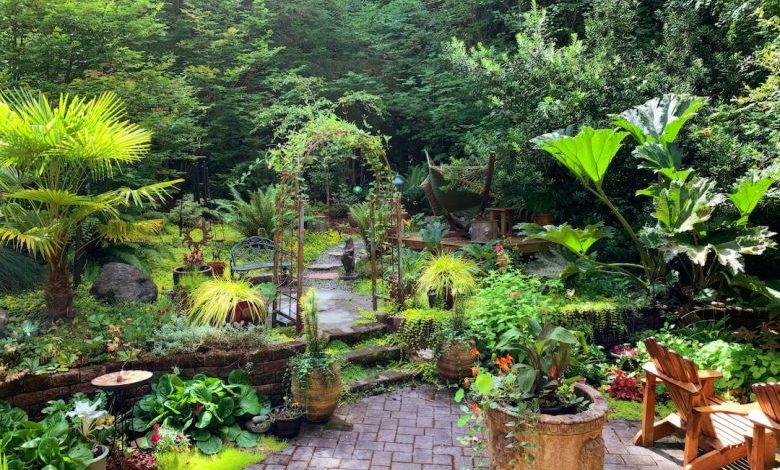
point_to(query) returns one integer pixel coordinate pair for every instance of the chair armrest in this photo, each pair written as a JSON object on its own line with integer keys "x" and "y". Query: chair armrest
{"x": 710, "y": 374}
{"x": 757, "y": 417}
{"x": 729, "y": 408}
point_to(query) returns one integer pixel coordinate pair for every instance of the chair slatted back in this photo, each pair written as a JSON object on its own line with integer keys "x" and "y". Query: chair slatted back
{"x": 681, "y": 369}
{"x": 768, "y": 397}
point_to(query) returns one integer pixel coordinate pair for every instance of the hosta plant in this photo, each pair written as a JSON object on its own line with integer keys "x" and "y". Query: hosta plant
{"x": 705, "y": 229}
{"x": 206, "y": 409}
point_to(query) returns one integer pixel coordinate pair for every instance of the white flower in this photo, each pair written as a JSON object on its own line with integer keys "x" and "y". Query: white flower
{"x": 86, "y": 410}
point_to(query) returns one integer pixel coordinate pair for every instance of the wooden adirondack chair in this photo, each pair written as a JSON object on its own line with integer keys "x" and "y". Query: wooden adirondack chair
{"x": 766, "y": 426}
{"x": 709, "y": 422}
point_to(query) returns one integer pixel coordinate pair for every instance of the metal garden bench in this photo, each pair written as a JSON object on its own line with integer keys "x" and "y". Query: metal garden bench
{"x": 255, "y": 254}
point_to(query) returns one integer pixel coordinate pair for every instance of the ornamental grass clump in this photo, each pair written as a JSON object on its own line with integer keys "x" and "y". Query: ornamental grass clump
{"x": 220, "y": 301}
{"x": 449, "y": 277}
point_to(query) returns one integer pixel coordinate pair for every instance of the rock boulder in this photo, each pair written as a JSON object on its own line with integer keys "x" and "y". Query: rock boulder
{"x": 119, "y": 281}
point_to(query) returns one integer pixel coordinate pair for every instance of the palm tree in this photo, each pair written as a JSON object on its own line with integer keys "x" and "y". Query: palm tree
{"x": 49, "y": 157}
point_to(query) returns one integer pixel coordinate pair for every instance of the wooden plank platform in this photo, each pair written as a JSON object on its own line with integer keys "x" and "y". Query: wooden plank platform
{"x": 524, "y": 246}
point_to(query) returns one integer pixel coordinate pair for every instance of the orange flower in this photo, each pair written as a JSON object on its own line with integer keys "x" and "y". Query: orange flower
{"x": 474, "y": 351}
{"x": 515, "y": 294}
{"x": 503, "y": 362}
{"x": 474, "y": 371}
{"x": 475, "y": 409}
{"x": 466, "y": 382}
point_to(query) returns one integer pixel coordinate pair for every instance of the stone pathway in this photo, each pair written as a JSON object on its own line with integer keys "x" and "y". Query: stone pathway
{"x": 338, "y": 303}
{"x": 414, "y": 428}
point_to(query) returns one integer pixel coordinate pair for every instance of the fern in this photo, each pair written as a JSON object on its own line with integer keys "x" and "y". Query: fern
{"x": 255, "y": 217}
{"x": 18, "y": 272}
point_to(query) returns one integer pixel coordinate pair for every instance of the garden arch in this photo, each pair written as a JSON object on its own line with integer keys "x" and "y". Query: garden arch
{"x": 323, "y": 140}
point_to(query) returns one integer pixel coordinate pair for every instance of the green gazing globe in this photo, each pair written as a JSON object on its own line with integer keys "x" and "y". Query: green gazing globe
{"x": 357, "y": 190}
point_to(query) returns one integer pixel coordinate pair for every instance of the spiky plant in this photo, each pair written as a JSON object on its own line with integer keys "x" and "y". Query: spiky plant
{"x": 446, "y": 275}
{"x": 49, "y": 157}
{"x": 215, "y": 301}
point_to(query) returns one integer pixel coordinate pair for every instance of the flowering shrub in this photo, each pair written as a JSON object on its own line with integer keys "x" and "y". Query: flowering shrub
{"x": 625, "y": 386}
{"x": 193, "y": 260}
{"x": 168, "y": 439}
{"x": 625, "y": 357}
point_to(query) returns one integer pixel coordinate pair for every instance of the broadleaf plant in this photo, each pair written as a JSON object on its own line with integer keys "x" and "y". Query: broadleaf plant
{"x": 692, "y": 220}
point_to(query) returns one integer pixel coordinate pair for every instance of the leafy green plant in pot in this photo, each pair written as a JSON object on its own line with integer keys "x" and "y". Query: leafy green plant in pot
{"x": 536, "y": 416}
{"x": 92, "y": 422}
{"x": 316, "y": 375}
{"x": 195, "y": 237}
{"x": 449, "y": 279}
{"x": 541, "y": 205}
{"x": 220, "y": 301}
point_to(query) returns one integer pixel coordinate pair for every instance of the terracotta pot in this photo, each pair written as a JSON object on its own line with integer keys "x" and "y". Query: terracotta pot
{"x": 320, "y": 397}
{"x": 243, "y": 314}
{"x": 217, "y": 268}
{"x": 180, "y": 271}
{"x": 455, "y": 362}
{"x": 543, "y": 218}
{"x": 568, "y": 441}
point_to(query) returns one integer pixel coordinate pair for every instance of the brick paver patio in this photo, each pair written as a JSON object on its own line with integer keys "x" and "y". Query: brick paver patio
{"x": 414, "y": 429}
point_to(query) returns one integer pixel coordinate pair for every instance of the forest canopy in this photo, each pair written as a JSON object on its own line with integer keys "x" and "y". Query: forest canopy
{"x": 229, "y": 78}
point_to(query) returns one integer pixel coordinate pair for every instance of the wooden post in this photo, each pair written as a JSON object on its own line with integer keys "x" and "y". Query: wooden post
{"x": 299, "y": 274}
{"x": 399, "y": 234}
{"x": 648, "y": 412}
{"x": 372, "y": 250}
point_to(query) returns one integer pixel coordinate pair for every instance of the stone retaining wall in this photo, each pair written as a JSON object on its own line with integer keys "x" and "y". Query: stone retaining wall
{"x": 267, "y": 368}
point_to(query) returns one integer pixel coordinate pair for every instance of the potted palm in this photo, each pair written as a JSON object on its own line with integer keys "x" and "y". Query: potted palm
{"x": 536, "y": 416}
{"x": 220, "y": 301}
{"x": 316, "y": 375}
{"x": 449, "y": 279}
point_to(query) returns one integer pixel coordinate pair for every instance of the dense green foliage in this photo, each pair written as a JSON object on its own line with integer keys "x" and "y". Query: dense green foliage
{"x": 206, "y": 408}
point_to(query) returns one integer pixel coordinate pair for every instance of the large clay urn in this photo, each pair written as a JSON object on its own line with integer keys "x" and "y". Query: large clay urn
{"x": 455, "y": 362}
{"x": 320, "y": 397}
{"x": 567, "y": 441}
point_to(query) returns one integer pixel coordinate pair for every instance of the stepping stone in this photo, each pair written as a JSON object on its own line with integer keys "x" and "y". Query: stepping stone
{"x": 383, "y": 380}
{"x": 322, "y": 276}
{"x": 324, "y": 266}
{"x": 337, "y": 254}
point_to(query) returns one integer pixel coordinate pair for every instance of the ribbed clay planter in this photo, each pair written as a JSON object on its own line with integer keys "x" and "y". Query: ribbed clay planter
{"x": 455, "y": 362}
{"x": 320, "y": 397}
{"x": 571, "y": 442}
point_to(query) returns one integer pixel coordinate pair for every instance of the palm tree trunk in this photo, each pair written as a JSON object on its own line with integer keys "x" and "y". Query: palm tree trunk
{"x": 59, "y": 290}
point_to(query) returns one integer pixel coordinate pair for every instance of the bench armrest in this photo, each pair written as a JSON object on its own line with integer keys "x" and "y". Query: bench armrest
{"x": 729, "y": 408}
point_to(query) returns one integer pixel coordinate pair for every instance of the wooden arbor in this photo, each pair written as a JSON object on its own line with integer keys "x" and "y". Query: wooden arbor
{"x": 321, "y": 141}
{"x": 708, "y": 422}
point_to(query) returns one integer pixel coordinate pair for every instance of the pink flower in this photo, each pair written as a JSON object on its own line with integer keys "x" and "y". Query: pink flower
{"x": 156, "y": 426}
{"x": 155, "y": 438}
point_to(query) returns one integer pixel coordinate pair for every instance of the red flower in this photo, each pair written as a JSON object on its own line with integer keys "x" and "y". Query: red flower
{"x": 155, "y": 438}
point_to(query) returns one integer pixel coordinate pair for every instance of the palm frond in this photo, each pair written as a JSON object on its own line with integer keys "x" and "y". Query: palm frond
{"x": 117, "y": 230}
{"x": 37, "y": 240}
{"x": 153, "y": 193}
{"x": 57, "y": 197}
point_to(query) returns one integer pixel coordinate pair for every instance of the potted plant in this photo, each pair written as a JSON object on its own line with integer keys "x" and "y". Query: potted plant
{"x": 455, "y": 350}
{"x": 316, "y": 375}
{"x": 541, "y": 204}
{"x": 287, "y": 419}
{"x": 220, "y": 301}
{"x": 536, "y": 416}
{"x": 196, "y": 237}
{"x": 89, "y": 420}
{"x": 446, "y": 277}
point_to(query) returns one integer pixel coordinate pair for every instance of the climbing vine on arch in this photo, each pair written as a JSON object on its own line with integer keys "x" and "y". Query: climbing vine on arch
{"x": 324, "y": 140}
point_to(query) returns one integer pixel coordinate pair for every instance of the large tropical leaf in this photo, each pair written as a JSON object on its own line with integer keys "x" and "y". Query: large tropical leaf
{"x": 657, "y": 156}
{"x": 37, "y": 240}
{"x": 587, "y": 155}
{"x": 682, "y": 205}
{"x": 55, "y": 197}
{"x": 749, "y": 191}
{"x": 576, "y": 240}
{"x": 659, "y": 120}
{"x": 153, "y": 194}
